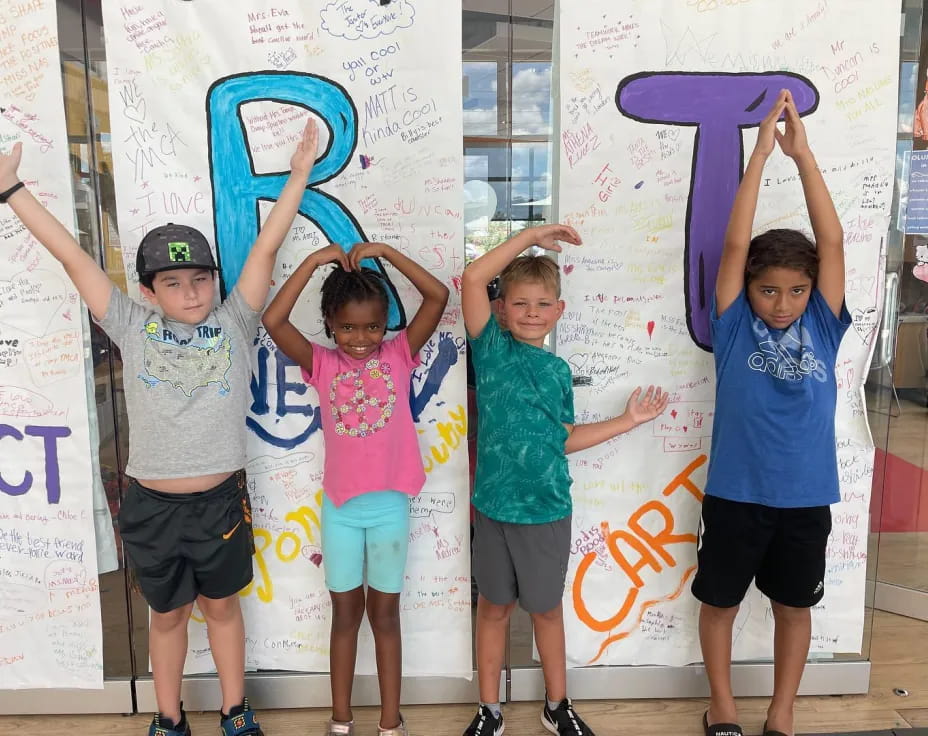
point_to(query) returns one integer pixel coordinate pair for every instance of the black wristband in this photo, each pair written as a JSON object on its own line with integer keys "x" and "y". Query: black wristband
{"x": 4, "y": 196}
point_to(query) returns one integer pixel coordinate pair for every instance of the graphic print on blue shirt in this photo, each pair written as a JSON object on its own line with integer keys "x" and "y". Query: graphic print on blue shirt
{"x": 187, "y": 363}
{"x": 773, "y": 438}
{"x": 786, "y": 354}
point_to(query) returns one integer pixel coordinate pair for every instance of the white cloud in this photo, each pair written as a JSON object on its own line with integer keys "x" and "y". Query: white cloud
{"x": 354, "y": 19}
{"x": 531, "y": 101}
{"x": 530, "y": 122}
{"x": 480, "y": 122}
{"x": 475, "y": 167}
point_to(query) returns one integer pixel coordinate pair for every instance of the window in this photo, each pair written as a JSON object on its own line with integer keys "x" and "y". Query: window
{"x": 507, "y": 119}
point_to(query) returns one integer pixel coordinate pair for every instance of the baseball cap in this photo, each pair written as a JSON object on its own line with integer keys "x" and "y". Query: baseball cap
{"x": 171, "y": 246}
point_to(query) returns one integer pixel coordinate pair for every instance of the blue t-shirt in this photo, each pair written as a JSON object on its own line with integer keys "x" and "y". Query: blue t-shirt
{"x": 773, "y": 439}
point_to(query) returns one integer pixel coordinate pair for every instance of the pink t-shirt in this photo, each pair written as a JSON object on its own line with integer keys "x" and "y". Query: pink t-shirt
{"x": 370, "y": 438}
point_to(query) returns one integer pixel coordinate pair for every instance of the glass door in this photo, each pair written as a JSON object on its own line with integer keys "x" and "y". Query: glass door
{"x": 898, "y": 386}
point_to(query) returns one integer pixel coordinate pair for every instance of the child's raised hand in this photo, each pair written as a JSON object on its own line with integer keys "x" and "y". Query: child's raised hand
{"x": 547, "y": 236}
{"x": 9, "y": 163}
{"x": 332, "y": 253}
{"x": 305, "y": 155}
{"x": 767, "y": 133}
{"x": 793, "y": 142}
{"x": 360, "y": 251}
{"x": 642, "y": 409}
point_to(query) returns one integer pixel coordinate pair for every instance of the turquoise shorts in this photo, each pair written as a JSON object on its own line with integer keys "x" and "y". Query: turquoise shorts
{"x": 374, "y": 525}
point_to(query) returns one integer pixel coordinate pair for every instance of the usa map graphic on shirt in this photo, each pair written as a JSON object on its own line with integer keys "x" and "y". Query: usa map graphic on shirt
{"x": 187, "y": 364}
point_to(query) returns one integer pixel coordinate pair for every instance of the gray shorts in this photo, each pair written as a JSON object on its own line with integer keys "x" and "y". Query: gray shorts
{"x": 524, "y": 562}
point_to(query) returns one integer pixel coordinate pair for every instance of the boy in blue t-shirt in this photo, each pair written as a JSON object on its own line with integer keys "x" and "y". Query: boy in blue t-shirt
{"x": 777, "y": 324}
{"x": 522, "y": 520}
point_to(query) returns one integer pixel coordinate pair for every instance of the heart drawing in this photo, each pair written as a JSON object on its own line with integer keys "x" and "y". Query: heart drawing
{"x": 865, "y": 322}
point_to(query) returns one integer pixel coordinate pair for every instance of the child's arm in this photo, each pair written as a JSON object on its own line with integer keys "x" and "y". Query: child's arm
{"x": 85, "y": 273}
{"x": 277, "y": 316}
{"x": 476, "y": 303}
{"x": 434, "y": 292}
{"x": 637, "y": 411}
{"x": 829, "y": 235}
{"x": 730, "y": 280}
{"x": 255, "y": 279}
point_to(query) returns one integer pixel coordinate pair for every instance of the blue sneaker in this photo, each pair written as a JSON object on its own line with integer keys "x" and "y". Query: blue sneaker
{"x": 161, "y": 726}
{"x": 240, "y": 721}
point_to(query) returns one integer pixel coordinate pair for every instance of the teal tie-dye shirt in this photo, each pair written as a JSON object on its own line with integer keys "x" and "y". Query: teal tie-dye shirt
{"x": 524, "y": 398}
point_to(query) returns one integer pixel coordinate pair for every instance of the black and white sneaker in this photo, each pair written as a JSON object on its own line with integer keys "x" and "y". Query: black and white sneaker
{"x": 485, "y": 724}
{"x": 564, "y": 720}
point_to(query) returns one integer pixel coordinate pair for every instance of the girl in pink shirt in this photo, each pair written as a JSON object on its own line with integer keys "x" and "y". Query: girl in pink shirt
{"x": 372, "y": 459}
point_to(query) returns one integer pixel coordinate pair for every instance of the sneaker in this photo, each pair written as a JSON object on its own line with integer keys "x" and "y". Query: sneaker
{"x": 564, "y": 720}
{"x": 485, "y": 724}
{"x": 240, "y": 721}
{"x": 161, "y": 726}
{"x": 339, "y": 728}
{"x": 400, "y": 730}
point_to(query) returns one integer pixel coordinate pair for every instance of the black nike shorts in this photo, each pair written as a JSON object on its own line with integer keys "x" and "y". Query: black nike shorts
{"x": 782, "y": 550}
{"x": 182, "y": 545}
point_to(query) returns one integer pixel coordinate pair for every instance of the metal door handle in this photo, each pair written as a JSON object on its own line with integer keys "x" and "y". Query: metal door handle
{"x": 890, "y": 319}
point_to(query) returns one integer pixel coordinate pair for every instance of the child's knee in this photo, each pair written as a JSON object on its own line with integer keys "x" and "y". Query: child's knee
{"x": 384, "y": 620}
{"x": 171, "y": 620}
{"x": 219, "y": 610}
{"x": 790, "y": 614}
{"x": 555, "y": 615}
{"x": 717, "y": 614}
{"x": 493, "y": 612}
{"x": 347, "y": 623}
{"x": 347, "y": 612}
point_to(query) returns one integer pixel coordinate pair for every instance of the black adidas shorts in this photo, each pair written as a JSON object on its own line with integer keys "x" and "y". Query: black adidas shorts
{"x": 181, "y": 545}
{"x": 783, "y": 550}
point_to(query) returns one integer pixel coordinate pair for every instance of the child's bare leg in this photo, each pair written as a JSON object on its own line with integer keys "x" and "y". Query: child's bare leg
{"x": 347, "y": 611}
{"x": 549, "y": 638}
{"x": 226, "y": 631}
{"x": 167, "y": 647}
{"x": 383, "y": 612}
{"x": 492, "y": 630}
{"x": 715, "y": 627}
{"x": 792, "y": 635}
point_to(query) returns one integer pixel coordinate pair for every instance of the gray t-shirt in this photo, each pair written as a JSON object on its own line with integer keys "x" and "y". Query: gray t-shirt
{"x": 187, "y": 386}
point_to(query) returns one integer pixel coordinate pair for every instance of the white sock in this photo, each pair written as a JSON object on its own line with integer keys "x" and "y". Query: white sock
{"x": 495, "y": 709}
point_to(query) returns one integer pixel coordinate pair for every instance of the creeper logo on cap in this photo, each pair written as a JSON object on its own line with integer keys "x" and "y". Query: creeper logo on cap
{"x": 179, "y": 252}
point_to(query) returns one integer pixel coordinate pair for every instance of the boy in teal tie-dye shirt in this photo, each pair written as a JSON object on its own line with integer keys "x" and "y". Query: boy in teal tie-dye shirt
{"x": 522, "y": 524}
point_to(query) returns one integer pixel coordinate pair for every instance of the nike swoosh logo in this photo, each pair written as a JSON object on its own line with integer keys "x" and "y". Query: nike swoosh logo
{"x": 232, "y": 531}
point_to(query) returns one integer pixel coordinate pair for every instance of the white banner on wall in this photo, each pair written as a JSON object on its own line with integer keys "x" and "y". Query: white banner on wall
{"x": 207, "y": 102}
{"x": 50, "y": 630}
{"x": 659, "y": 102}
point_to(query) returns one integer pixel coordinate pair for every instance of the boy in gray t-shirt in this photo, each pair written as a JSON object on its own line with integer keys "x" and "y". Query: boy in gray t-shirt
{"x": 186, "y": 520}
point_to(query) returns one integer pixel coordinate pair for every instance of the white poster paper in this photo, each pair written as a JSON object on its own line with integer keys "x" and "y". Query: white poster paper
{"x": 50, "y": 630}
{"x": 207, "y": 103}
{"x": 659, "y": 103}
